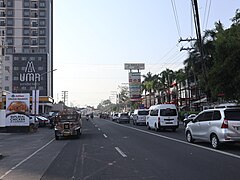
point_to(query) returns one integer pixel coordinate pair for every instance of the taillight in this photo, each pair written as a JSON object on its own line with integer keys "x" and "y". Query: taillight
{"x": 225, "y": 124}
{"x": 158, "y": 119}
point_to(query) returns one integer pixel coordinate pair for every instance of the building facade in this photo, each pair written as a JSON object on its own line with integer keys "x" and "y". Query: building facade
{"x": 26, "y": 36}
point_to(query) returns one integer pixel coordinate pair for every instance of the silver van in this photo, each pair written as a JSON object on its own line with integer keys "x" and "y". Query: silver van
{"x": 216, "y": 126}
{"x": 139, "y": 116}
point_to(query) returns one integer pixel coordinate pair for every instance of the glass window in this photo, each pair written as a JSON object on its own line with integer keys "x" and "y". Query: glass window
{"x": 26, "y": 22}
{"x": 26, "y": 13}
{"x": 26, "y": 4}
{"x": 10, "y": 41}
{"x": 42, "y": 50}
{"x": 42, "y": 41}
{"x": 216, "y": 115}
{"x": 9, "y": 22}
{"x": 34, "y": 41}
{"x": 143, "y": 112}
{"x": 154, "y": 112}
{"x": 42, "y": 22}
{"x": 42, "y": 13}
{"x": 26, "y": 32}
{"x": 9, "y": 31}
{"x": 34, "y": 32}
{"x": 15, "y": 78}
{"x": 34, "y": 23}
{"x": 232, "y": 114}
{"x": 7, "y": 68}
{"x": 25, "y": 41}
{"x": 9, "y": 3}
{"x": 42, "y": 32}
{"x": 26, "y": 50}
{"x": 199, "y": 117}
{"x": 7, "y": 88}
{"x": 2, "y": 23}
{"x": 6, "y": 78}
{"x": 168, "y": 112}
{"x": 42, "y": 4}
{"x": 208, "y": 116}
{"x": 10, "y": 13}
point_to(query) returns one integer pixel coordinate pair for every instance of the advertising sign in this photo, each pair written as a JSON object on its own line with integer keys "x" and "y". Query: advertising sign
{"x": 134, "y": 66}
{"x": 135, "y": 86}
{"x": 29, "y": 69}
{"x": 17, "y": 109}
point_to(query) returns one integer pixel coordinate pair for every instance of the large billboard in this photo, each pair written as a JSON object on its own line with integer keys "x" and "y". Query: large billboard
{"x": 134, "y": 66}
{"x": 135, "y": 86}
{"x": 29, "y": 69}
{"x": 17, "y": 109}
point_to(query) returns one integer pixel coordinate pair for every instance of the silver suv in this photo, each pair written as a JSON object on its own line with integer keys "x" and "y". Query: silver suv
{"x": 216, "y": 126}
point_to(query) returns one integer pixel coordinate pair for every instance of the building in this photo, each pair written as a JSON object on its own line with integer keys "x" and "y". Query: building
{"x": 26, "y": 62}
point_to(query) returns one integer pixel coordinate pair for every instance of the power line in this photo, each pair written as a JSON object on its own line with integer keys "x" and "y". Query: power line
{"x": 176, "y": 17}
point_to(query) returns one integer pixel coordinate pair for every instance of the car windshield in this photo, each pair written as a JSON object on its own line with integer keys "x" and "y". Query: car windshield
{"x": 232, "y": 114}
{"x": 124, "y": 114}
{"x": 143, "y": 112}
{"x": 70, "y": 117}
{"x": 168, "y": 112}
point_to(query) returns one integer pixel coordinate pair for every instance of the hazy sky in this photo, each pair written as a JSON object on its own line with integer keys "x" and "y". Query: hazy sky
{"x": 94, "y": 38}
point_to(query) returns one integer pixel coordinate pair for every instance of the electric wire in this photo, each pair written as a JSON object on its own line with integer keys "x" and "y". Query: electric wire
{"x": 176, "y": 17}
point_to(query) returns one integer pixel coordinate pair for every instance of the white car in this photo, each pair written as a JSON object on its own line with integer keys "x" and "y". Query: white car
{"x": 216, "y": 126}
{"x": 139, "y": 116}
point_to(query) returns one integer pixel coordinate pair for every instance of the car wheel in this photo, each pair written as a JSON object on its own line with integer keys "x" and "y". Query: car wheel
{"x": 148, "y": 127}
{"x": 215, "y": 142}
{"x": 189, "y": 137}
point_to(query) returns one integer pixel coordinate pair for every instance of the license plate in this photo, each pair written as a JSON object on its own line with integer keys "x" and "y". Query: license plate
{"x": 168, "y": 122}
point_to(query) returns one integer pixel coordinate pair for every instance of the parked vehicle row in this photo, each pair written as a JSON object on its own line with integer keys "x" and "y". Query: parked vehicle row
{"x": 218, "y": 125}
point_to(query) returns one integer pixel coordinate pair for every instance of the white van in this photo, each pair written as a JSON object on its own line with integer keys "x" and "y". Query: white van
{"x": 162, "y": 116}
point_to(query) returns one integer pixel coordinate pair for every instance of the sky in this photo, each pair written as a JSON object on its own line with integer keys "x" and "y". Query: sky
{"x": 94, "y": 38}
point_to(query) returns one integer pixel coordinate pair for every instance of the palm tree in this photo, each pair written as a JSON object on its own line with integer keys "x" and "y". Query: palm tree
{"x": 167, "y": 77}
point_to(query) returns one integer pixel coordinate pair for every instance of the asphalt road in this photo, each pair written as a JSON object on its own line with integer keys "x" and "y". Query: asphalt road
{"x": 107, "y": 150}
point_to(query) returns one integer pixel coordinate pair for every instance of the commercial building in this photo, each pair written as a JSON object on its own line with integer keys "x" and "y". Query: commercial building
{"x": 26, "y": 56}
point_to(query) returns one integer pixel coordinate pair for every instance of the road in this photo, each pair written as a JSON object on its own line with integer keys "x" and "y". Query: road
{"x": 107, "y": 150}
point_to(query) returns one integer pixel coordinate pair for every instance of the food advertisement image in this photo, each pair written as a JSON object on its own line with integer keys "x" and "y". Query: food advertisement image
{"x": 17, "y": 109}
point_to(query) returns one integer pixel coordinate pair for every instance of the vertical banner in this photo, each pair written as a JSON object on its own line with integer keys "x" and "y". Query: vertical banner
{"x": 135, "y": 86}
{"x": 37, "y": 101}
{"x": 33, "y": 101}
{"x": 17, "y": 109}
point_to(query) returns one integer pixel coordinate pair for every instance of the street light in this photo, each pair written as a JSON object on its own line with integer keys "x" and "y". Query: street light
{"x": 35, "y": 90}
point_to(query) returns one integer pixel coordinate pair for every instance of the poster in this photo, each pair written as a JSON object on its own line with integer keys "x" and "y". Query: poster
{"x": 17, "y": 109}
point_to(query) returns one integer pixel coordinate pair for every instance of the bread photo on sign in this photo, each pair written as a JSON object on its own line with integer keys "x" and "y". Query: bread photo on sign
{"x": 18, "y": 106}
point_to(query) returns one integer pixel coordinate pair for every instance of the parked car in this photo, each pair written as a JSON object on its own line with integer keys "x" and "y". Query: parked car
{"x": 139, "y": 116}
{"x": 162, "y": 116}
{"x": 216, "y": 126}
{"x": 114, "y": 116}
{"x": 188, "y": 119}
{"x": 123, "y": 117}
{"x": 43, "y": 121}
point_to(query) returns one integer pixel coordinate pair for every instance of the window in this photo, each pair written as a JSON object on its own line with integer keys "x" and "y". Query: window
{"x": 42, "y": 32}
{"x": 7, "y": 68}
{"x": 40, "y": 68}
{"x": 9, "y": 41}
{"x": 42, "y": 13}
{"x": 42, "y": 22}
{"x": 10, "y": 3}
{"x": 200, "y": 117}
{"x": 34, "y": 23}
{"x": 42, "y": 50}
{"x": 26, "y": 13}
{"x": 26, "y": 22}
{"x": 232, "y": 114}
{"x": 7, "y": 88}
{"x": 9, "y": 50}
{"x": 26, "y": 32}
{"x": 26, "y": 4}
{"x": 143, "y": 112}
{"x": 2, "y": 13}
{"x": 34, "y": 4}
{"x": 26, "y": 50}
{"x": 25, "y": 41}
{"x": 2, "y": 23}
{"x": 6, "y": 78}
{"x": 10, "y": 13}
{"x": 42, "y": 4}
{"x": 34, "y": 14}
{"x": 168, "y": 112}
{"x": 9, "y": 22}
{"x": 15, "y": 78}
{"x": 9, "y": 31}
{"x": 15, "y": 58}
{"x": 154, "y": 112}
{"x": 216, "y": 115}
{"x": 42, "y": 41}
{"x": 208, "y": 116}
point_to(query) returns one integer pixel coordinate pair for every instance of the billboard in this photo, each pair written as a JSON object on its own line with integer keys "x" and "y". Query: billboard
{"x": 28, "y": 69}
{"x": 135, "y": 86}
{"x": 17, "y": 109}
{"x": 134, "y": 66}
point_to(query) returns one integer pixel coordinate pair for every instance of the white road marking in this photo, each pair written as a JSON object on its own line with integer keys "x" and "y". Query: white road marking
{"x": 180, "y": 141}
{"x": 105, "y": 135}
{"x": 14, "y": 167}
{"x": 120, "y": 152}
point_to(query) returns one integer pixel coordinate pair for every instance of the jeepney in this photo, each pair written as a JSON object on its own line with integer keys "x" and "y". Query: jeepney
{"x": 68, "y": 125}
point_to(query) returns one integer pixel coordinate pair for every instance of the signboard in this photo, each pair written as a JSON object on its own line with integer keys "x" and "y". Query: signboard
{"x": 135, "y": 86}
{"x": 17, "y": 109}
{"x": 28, "y": 69}
{"x": 134, "y": 66}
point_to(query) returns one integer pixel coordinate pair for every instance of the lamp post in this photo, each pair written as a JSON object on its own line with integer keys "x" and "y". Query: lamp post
{"x": 35, "y": 90}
